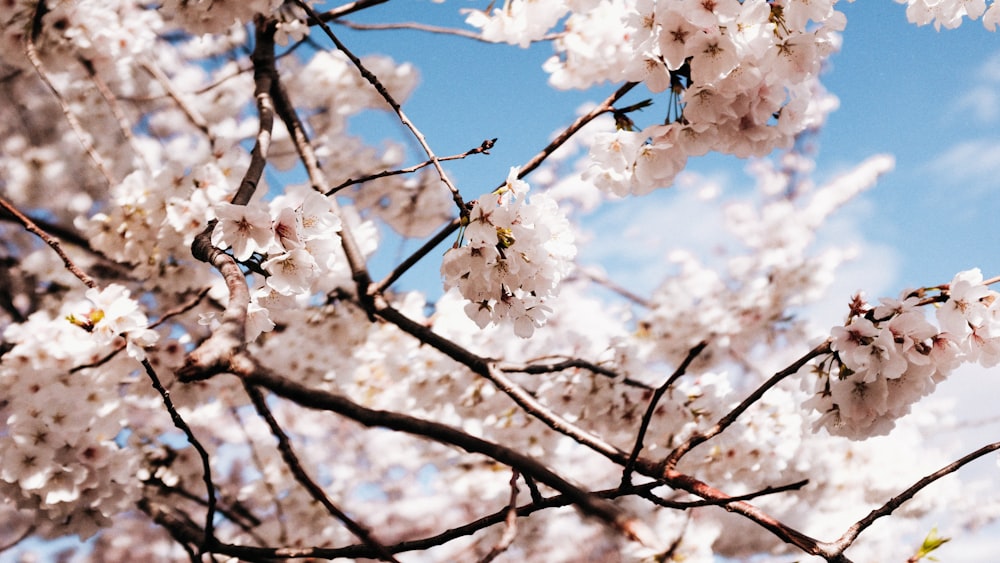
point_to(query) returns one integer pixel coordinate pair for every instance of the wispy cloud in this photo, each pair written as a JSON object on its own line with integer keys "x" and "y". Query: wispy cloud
{"x": 982, "y": 99}
{"x": 972, "y": 164}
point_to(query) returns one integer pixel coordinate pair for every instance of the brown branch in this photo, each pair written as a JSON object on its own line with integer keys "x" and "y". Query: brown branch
{"x": 314, "y": 490}
{"x": 648, "y": 416}
{"x": 845, "y": 541}
{"x": 209, "y": 536}
{"x": 53, "y": 243}
{"x": 264, "y": 74}
{"x": 555, "y": 501}
{"x": 24, "y": 535}
{"x": 510, "y": 524}
{"x": 322, "y": 400}
{"x": 726, "y": 421}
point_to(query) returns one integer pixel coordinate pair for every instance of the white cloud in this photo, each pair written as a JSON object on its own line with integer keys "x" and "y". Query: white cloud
{"x": 974, "y": 163}
{"x": 981, "y": 101}
{"x": 982, "y": 97}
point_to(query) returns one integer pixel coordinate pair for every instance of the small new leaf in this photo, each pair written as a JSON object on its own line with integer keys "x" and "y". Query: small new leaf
{"x": 931, "y": 543}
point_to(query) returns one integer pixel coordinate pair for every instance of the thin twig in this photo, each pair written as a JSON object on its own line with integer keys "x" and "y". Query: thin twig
{"x": 74, "y": 123}
{"x": 895, "y": 502}
{"x": 651, "y": 409}
{"x": 412, "y": 260}
{"x": 314, "y": 490}
{"x": 605, "y": 282}
{"x": 192, "y": 114}
{"x": 346, "y": 9}
{"x": 467, "y": 34}
{"x": 671, "y": 460}
{"x": 574, "y": 363}
{"x": 124, "y": 126}
{"x": 374, "y": 81}
{"x": 183, "y": 308}
{"x": 510, "y": 523}
{"x": 206, "y": 467}
{"x": 484, "y": 148}
{"x": 53, "y": 243}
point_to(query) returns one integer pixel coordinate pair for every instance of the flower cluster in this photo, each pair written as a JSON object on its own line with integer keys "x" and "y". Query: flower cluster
{"x": 58, "y": 444}
{"x": 115, "y": 315}
{"x": 514, "y": 256}
{"x": 742, "y": 76}
{"x": 297, "y": 241}
{"x": 890, "y": 355}
{"x": 950, "y": 13}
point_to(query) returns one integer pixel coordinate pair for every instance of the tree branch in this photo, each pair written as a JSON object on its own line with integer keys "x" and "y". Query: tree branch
{"x": 314, "y": 490}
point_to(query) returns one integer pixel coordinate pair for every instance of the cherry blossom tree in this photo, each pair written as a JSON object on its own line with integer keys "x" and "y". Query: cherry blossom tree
{"x": 199, "y": 361}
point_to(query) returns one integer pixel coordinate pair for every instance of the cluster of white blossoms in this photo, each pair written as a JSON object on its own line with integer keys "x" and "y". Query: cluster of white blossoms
{"x": 741, "y": 77}
{"x": 514, "y": 255}
{"x": 61, "y": 421}
{"x": 889, "y": 356}
{"x": 950, "y": 13}
{"x": 296, "y": 241}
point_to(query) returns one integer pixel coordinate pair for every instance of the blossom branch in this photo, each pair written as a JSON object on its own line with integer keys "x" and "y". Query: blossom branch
{"x": 215, "y": 354}
{"x": 648, "y": 416}
{"x": 355, "y": 258}
{"x": 314, "y": 490}
{"x": 604, "y": 107}
{"x": 374, "y": 81}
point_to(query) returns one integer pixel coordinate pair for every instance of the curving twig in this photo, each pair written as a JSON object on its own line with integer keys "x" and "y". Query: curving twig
{"x": 648, "y": 416}
{"x": 845, "y": 541}
{"x": 314, "y": 490}
{"x": 206, "y": 467}
{"x": 48, "y": 239}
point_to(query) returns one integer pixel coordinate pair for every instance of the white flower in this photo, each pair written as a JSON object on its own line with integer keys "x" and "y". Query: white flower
{"x": 292, "y": 272}
{"x": 245, "y": 228}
